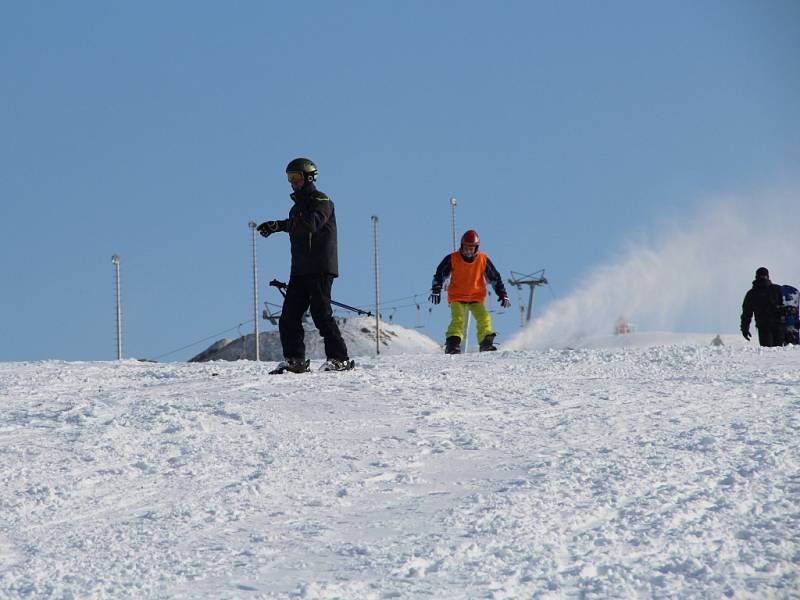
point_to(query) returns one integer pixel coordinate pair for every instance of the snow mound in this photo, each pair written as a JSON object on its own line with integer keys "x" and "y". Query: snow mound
{"x": 358, "y": 334}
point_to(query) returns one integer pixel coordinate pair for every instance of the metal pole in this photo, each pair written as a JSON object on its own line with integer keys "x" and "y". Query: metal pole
{"x": 531, "y": 281}
{"x": 252, "y": 226}
{"x": 530, "y": 304}
{"x": 453, "y": 203}
{"x": 115, "y": 260}
{"x": 377, "y": 286}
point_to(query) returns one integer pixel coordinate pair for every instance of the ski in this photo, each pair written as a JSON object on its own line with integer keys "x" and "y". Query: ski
{"x": 304, "y": 366}
{"x": 298, "y": 367}
{"x": 338, "y": 365}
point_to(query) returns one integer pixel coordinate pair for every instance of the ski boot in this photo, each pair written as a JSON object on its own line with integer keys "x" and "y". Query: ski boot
{"x": 334, "y": 364}
{"x": 487, "y": 345}
{"x": 452, "y": 345}
{"x": 293, "y": 365}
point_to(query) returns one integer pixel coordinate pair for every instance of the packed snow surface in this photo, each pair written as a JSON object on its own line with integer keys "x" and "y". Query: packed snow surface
{"x": 667, "y": 471}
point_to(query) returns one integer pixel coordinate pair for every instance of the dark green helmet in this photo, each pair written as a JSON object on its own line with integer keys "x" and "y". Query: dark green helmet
{"x": 305, "y": 166}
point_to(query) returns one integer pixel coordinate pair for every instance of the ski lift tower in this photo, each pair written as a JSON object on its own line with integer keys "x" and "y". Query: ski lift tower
{"x": 531, "y": 280}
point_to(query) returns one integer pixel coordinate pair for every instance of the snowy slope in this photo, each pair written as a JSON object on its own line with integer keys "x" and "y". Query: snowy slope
{"x": 358, "y": 334}
{"x": 667, "y": 471}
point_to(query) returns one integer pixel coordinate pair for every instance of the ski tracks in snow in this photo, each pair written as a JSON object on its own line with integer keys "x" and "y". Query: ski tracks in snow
{"x": 667, "y": 471}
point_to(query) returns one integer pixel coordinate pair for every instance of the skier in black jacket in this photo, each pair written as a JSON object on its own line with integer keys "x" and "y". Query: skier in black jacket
{"x": 764, "y": 300}
{"x": 312, "y": 234}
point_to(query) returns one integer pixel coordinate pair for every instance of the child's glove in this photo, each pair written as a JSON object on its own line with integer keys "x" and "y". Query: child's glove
{"x": 504, "y": 301}
{"x": 436, "y": 294}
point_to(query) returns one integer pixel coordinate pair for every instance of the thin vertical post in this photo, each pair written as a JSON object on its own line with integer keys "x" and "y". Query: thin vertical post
{"x": 531, "y": 281}
{"x": 530, "y": 304}
{"x": 252, "y": 226}
{"x": 115, "y": 260}
{"x": 377, "y": 286}
{"x": 453, "y": 203}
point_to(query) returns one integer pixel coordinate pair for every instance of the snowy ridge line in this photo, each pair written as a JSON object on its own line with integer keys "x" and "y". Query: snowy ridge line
{"x": 666, "y": 471}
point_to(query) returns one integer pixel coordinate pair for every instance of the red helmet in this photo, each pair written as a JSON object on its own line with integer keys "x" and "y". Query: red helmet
{"x": 471, "y": 238}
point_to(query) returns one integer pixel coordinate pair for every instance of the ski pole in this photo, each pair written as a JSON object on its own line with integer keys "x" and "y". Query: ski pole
{"x": 282, "y": 286}
{"x": 353, "y": 308}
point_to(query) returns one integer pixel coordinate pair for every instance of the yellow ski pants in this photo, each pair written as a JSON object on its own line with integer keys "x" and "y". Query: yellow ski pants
{"x": 458, "y": 317}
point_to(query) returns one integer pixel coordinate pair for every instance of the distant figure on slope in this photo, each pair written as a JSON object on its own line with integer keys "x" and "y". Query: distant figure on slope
{"x": 791, "y": 313}
{"x": 469, "y": 270}
{"x": 764, "y": 300}
{"x": 312, "y": 234}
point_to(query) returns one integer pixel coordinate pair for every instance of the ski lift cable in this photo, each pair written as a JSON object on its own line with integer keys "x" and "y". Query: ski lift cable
{"x": 205, "y": 339}
{"x": 385, "y": 302}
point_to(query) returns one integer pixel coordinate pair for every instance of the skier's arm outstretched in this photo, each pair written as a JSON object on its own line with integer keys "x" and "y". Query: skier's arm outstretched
{"x": 267, "y": 228}
{"x": 442, "y": 272}
{"x": 307, "y": 220}
{"x": 496, "y": 280}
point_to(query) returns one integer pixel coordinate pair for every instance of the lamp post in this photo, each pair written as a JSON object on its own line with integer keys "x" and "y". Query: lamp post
{"x": 252, "y": 226}
{"x": 453, "y": 204}
{"x": 115, "y": 260}
{"x": 377, "y": 286}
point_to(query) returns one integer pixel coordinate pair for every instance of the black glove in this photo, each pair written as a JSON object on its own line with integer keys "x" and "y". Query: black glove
{"x": 504, "y": 301}
{"x": 746, "y": 334}
{"x": 436, "y": 295}
{"x": 267, "y": 228}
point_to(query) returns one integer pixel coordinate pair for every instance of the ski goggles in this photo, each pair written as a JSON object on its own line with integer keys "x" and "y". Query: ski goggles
{"x": 295, "y": 177}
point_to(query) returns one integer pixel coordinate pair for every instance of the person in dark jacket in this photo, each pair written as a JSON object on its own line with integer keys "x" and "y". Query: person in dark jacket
{"x": 312, "y": 235}
{"x": 764, "y": 300}
{"x": 468, "y": 270}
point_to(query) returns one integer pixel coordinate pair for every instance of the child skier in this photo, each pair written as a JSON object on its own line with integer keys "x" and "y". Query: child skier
{"x": 469, "y": 270}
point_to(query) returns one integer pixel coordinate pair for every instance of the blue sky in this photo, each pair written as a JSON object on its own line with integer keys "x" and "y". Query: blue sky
{"x": 156, "y": 131}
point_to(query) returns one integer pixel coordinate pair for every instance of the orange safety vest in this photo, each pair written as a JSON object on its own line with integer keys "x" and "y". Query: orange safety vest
{"x": 467, "y": 279}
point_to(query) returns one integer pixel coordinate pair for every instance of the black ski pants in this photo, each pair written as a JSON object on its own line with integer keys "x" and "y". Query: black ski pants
{"x": 771, "y": 335}
{"x": 302, "y": 293}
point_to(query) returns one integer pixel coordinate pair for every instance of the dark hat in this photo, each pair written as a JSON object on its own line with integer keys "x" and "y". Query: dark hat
{"x": 762, "y": 273}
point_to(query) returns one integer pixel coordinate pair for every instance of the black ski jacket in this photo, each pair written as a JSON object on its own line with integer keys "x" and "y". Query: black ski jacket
{"x": 764, "y": 300}
{"x": 312, "y": 233}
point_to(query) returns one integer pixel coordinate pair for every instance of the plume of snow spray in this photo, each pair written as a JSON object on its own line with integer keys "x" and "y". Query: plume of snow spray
{"x": 692, "y": 277}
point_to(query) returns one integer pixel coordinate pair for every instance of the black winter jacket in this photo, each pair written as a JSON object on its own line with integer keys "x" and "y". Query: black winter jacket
{"x": 312, "y": 233}
{"x": 764, "y": 300}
